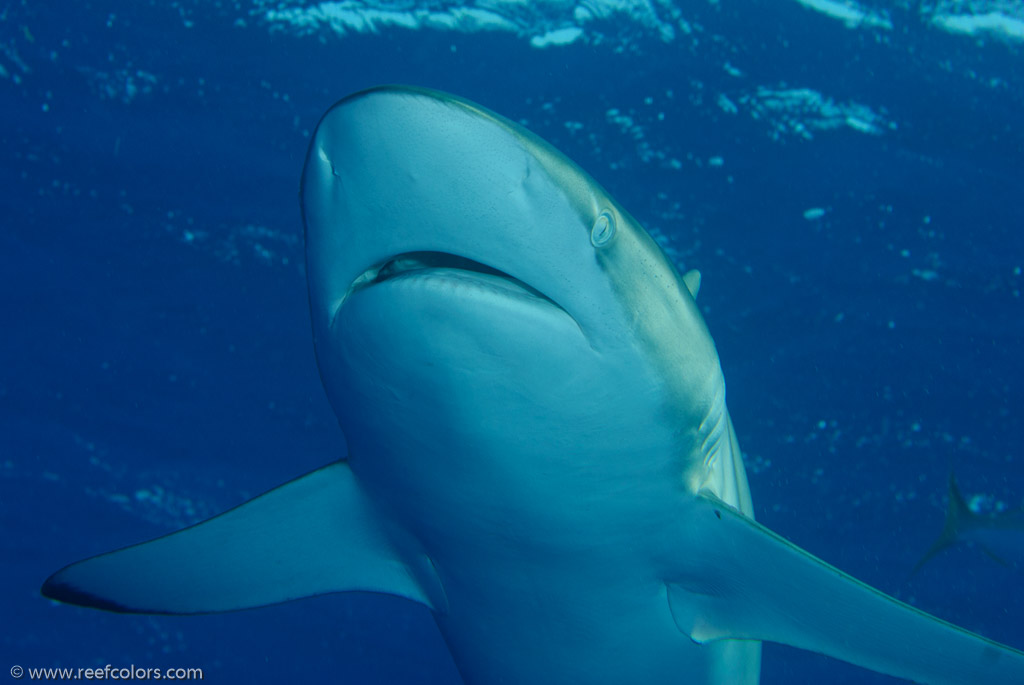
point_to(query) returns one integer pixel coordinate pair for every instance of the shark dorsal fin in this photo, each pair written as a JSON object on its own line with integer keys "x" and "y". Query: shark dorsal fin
{"x": 692, "y": 281}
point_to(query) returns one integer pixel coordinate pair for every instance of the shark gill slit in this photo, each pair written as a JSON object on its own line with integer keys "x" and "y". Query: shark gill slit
{"x": 713, "y": 429}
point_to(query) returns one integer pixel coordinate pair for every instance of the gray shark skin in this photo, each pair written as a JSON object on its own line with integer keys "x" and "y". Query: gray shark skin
{"x": 539, "y": 447}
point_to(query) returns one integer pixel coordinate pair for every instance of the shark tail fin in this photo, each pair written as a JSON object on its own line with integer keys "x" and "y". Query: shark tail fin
{"x": 314, "y": 535}
{"x": 958, "y": 517}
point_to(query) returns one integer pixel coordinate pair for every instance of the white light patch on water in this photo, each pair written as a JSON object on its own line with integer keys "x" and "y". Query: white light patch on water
{"x": 850, "y": 13}
{"x": 557, "y": 37}
{"x": 995, "y": 24}
{"x": 546, "y": 24}
{"x": 802, "y": 111}
{"x": 15, "y": 66}
{"x": 148, "y": 496}
{"x": 11, "y": 54}
{"x": 626, "y": 122}
{"x": 240, "y": 244}
{"x": 861, "y": 125}
{"x": 120, "y": 84}
{"x": 356, "y": 17}
{"x": 979, "y": 504}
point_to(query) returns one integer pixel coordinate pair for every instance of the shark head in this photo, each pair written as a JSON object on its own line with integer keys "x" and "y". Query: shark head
{"x": 506, "y": 347}
{"x": 453, "y": 255}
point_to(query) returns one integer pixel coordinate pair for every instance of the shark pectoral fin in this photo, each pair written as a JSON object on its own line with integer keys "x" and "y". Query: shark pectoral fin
{"x": 314, "y": 535}
{"x": 752, "y": 584}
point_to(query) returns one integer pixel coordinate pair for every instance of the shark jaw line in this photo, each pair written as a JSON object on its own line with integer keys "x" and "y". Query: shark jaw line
{"x": 448, "y": 266}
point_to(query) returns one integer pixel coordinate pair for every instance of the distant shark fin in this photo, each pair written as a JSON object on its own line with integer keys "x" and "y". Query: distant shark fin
{"x": 958, "y": 515}
{"x": 314, "y": 535}
{"x": 749, "y": 583}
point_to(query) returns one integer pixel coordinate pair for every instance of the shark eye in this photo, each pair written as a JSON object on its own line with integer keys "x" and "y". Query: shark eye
{"x": 603, "y": 230}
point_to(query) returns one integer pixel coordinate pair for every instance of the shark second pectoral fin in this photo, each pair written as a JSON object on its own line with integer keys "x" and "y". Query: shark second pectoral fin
{"x": 752, "y": 584}
{"x": 314, "y": 535}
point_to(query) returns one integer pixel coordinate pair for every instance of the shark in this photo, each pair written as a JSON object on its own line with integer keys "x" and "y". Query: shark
{"x": 1000, "y": 536}
{"x": 539, "y": 450}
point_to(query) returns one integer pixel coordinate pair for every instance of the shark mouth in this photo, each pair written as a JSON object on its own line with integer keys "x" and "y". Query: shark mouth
{"x": 447, "y": 265}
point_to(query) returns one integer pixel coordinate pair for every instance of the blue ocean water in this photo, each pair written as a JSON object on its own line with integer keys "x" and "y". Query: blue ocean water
{"x": 848, "y": 178}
